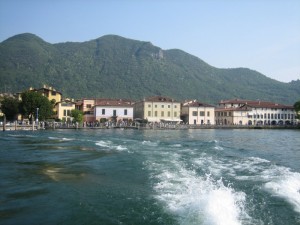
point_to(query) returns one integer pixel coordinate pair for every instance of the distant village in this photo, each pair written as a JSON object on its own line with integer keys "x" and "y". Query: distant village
{"x": 166, "y": 110}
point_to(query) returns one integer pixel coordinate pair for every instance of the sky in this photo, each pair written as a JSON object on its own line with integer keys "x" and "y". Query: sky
{"x": 263, "y": 35}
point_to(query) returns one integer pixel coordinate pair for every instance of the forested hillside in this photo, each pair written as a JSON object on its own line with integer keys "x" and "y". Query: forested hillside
{"x": 116, "y": 67}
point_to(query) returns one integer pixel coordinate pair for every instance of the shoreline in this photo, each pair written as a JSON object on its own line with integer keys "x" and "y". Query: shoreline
{"x": 166, "y": 127}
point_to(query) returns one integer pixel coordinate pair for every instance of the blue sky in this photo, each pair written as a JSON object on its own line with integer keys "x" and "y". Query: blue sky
{"x": 263, "y": 35}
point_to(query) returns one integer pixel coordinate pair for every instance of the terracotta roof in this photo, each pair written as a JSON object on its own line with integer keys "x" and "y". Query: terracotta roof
{"x": 101, "y": 100}
{"x": 66, "y": 101}
{"x": 43, "y": 89}
{"x": 113, "y": 102}
{"x": 231, "y": 109}
{"x": 195, "y": 103}
{"x": 159, "y": 99}
{"x": 268, "y": 105}
{"x": 256, "y": 103}
{"x": 235, "y": 101}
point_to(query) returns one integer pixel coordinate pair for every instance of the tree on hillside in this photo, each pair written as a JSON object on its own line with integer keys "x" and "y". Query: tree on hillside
{"x": 34, "y": 103}
{"x": 297, "y": 109}
{"x": 77, "y": 115}
{"x": 10, "y": 108}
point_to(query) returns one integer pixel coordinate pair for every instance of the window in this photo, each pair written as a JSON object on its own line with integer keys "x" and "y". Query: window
{"x": 149, "y": 113}
{"x": 208, "y": 113}
{"x": 125, "y": 112}
{"x": 149, "y": 106}
{"x": 202, "y": 113}
{"x": 175, "y": 114}
{"x": 162, "y": 114}
{"x": 194, "y": 113}
{"x": 155, "y": 113}
{"x": 114, "y": 112}
{"x": 65, "y": 112}
{"x": 103, "y": 111}
{"x": 155, "y": 106}
{"x": 169, "y": 113}
{"x": 53, "y": 93}
{"x": 88, "y": 106}
{"x": 175, "y": 106}
{"x": 162, "y": 106}
{"x": 169, "y": 106}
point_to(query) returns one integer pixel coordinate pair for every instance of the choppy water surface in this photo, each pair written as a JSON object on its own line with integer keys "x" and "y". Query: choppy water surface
{"x": 150, "y": 177}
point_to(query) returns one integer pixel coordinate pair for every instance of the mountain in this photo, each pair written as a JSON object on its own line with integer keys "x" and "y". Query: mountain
{"x": 116, "y": 67}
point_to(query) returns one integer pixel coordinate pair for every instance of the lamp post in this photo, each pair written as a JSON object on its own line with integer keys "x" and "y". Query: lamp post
{"x": 37, "y": 118}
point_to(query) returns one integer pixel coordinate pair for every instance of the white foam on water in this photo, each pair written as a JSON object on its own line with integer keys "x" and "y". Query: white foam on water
{"x": 218, "y": 166}
{"x": 150, "y": 143}
{"x": 284, "y": 184}
{"x": 176, "y": 145}
{"x": 61, "y": 139}
{"x": 120, "y": 148}
{"x": 110, "y": 146}
{"x": 21, "y": 135}
{"x": 105, "y": 144}
{"x": 218, "y": 148}
{"x": 225, "y": 206}
{"x": 198, "y": 200}
{"x": 277, "y": 180}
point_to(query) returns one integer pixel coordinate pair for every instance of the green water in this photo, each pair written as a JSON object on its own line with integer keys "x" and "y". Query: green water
{"x": 150, "y": 177}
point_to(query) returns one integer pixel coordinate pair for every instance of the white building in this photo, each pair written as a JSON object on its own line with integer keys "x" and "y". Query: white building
{"x": 255, "y": 112}
{"x": 197, "y": 113}
{"x": 114, "y": 110}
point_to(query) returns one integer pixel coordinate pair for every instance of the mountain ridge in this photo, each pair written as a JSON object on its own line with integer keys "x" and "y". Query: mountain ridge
{"x": 113, "y": 66}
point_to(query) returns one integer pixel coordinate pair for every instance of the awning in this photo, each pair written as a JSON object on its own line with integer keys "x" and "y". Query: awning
{"x": 170, "y": 120}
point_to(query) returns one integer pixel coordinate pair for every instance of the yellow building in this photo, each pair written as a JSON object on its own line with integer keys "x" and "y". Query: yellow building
{"x": 158, "y": 109}
{"x": 50, "y": 93}
{"x": 63, "y": 109}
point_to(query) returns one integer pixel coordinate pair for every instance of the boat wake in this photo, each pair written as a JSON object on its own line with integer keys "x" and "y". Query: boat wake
{"x": 192, "y": 198}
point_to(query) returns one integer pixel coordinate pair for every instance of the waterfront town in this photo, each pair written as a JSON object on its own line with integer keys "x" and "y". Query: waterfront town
{"x": 164, "y": 111}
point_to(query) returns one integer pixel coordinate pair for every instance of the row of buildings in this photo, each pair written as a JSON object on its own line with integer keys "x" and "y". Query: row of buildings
{"x": 167, "y": 110}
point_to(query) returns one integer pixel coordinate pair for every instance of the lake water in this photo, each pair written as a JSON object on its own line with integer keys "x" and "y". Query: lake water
{"x": 150, "y": 177}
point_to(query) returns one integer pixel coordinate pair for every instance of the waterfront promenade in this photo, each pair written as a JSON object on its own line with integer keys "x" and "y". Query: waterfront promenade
{"x": 158, "y": 126}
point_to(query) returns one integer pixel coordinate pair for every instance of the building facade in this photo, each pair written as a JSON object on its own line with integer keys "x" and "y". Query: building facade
{"x": 197, "y": 113}
{"x": 63, "y": 110}
{"x": 87, "y": 107}
{"x": 158, "y": 109}
{"x": 249, "y": 112}
{"x": 231, "y": 116}
{"x": 116, "y": 111}
{"x": 49, "y": 92}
